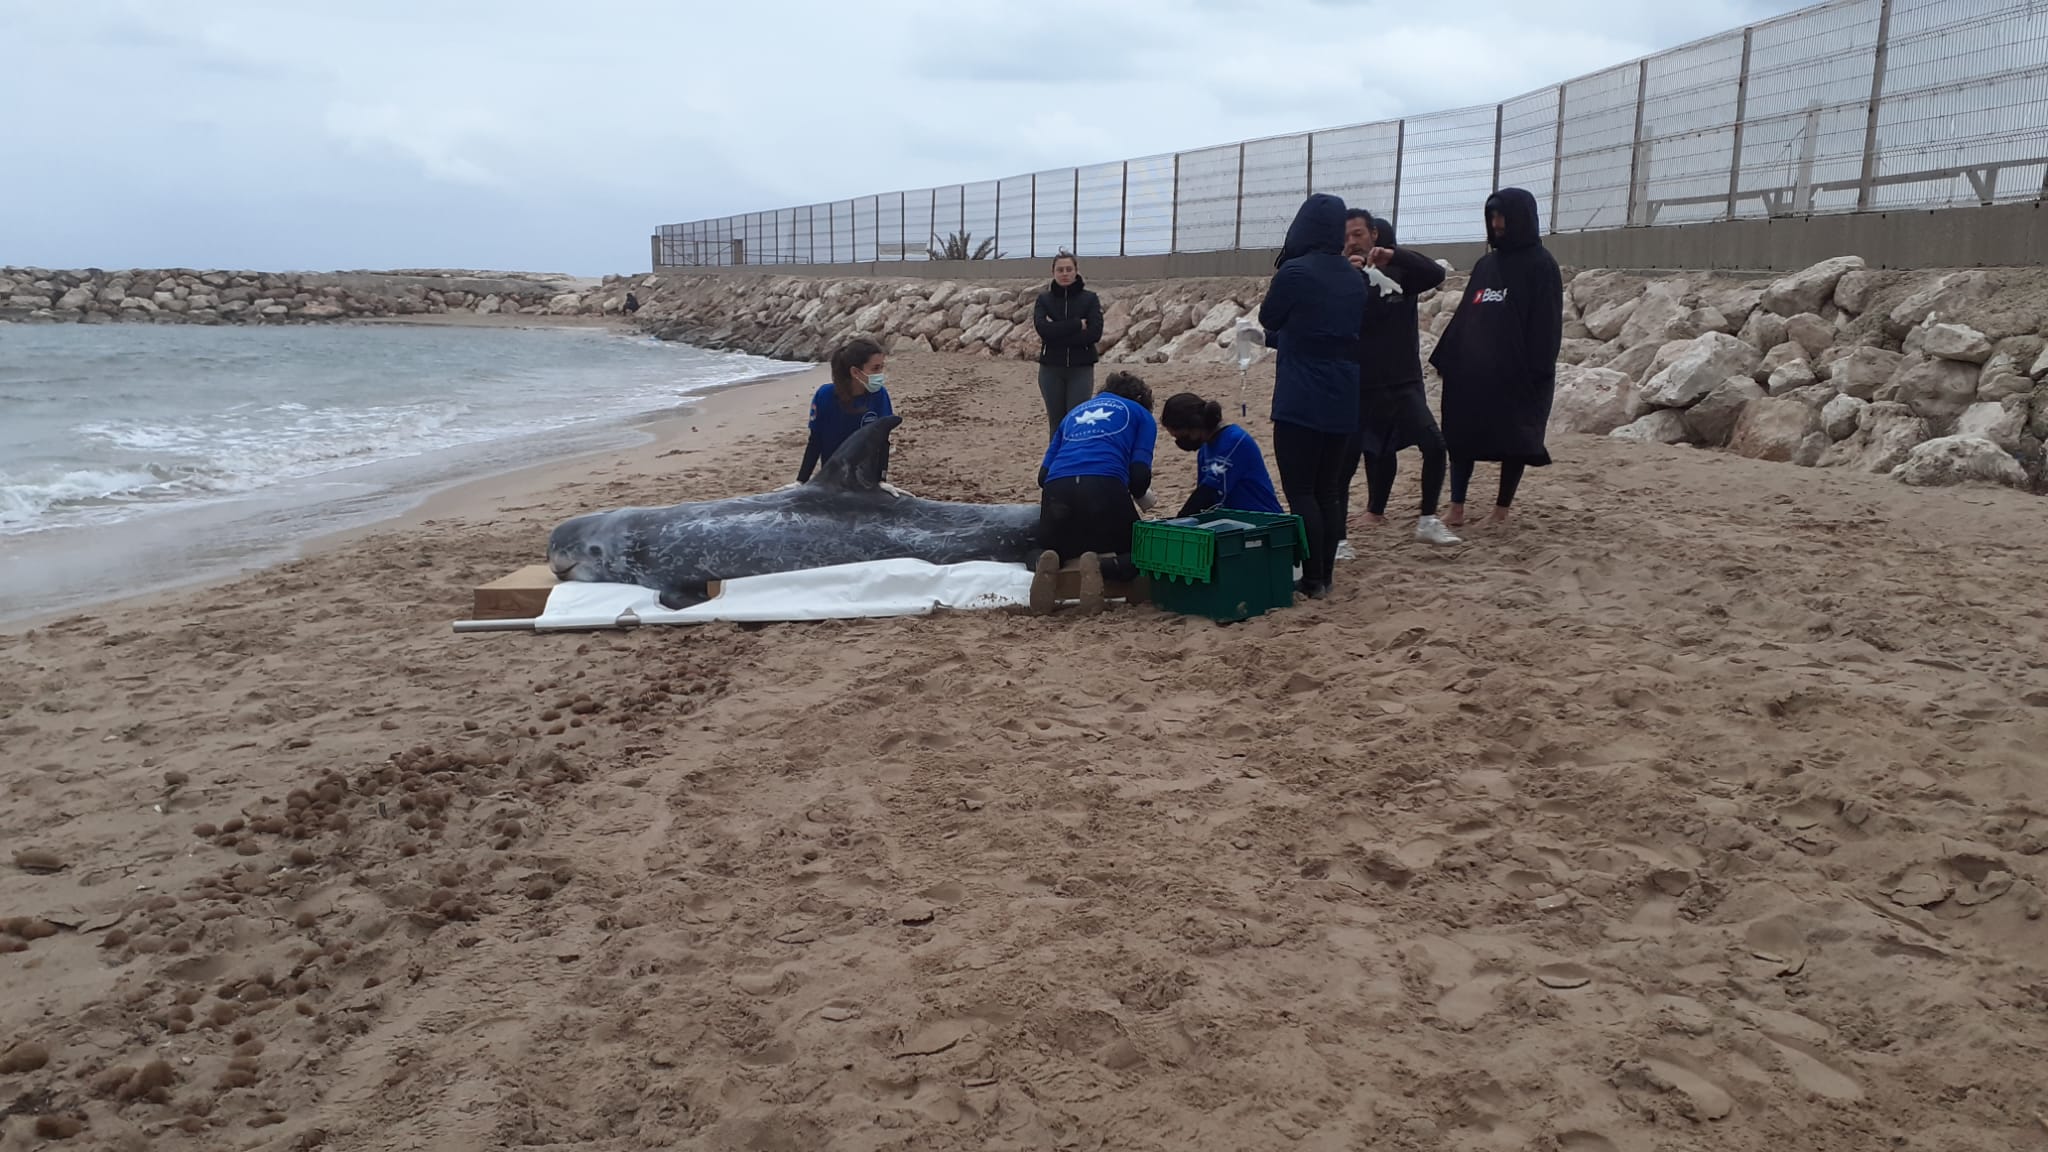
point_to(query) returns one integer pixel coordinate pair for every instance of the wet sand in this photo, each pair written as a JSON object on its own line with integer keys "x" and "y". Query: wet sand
{"x": 1701, "y": 808}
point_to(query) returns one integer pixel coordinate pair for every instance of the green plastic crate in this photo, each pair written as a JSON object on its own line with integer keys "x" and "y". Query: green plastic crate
{"x": 1226, "y": 574}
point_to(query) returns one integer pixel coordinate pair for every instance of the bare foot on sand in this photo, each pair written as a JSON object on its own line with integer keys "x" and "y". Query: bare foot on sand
{"x": 1455, "y": 515}
{"x": 1375, "y": 519}
{"x": 1499, "y": 515}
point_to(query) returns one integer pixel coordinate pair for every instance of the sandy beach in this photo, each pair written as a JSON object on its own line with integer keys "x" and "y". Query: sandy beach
{"x": 1700, "y": 808}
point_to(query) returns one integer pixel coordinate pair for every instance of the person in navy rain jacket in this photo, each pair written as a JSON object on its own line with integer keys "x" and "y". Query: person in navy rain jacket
{"x": 1311, "y": 316}
{"x": 855, "y": 397}
{"x": 1230, "y": 471}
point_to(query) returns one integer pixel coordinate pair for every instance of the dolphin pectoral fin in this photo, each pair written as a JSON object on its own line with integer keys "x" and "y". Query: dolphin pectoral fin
{"x": 858, "y": 464}
{"x": 682, "y": 596}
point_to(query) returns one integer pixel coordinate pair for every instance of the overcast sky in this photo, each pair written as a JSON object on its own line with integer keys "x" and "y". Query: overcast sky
{"x": 540, "y": 135}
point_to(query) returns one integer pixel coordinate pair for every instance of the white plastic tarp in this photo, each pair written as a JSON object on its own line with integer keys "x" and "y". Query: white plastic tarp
{"x": 876, "y": 588}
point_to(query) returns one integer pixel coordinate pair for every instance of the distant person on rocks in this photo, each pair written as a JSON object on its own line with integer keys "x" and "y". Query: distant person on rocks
{"x": 1069, "y": 321}
{"x": 1096, "y": 472}
{"x": 854, "y": 397}
{"x": 632, "y": 303}
{"x": 1498, "y": 357}
{"x": 1230, "y": 471}
{"x": 1311, "y": 314}
{"x": 1393, "y": 409}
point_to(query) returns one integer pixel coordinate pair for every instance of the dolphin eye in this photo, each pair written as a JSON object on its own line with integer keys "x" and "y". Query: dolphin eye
{"x": 596, "y": 550}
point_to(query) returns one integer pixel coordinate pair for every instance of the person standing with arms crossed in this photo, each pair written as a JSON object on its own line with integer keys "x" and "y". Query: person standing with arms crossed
{"x": 1311, "y": 315}
{"x": 1498, "y": 357}
{"x": 1068, "y": 318}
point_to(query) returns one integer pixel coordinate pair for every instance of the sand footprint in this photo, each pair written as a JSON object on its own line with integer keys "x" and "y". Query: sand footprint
{"x": 1584, "y": 1142}
{"x": 1468, "y": 1003}
{"x": 1675, "y": 1073}
{"x": 1813, "y": 1071}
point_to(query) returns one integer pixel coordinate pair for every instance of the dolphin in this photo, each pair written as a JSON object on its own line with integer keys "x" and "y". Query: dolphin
{"x": 842, "y": 516}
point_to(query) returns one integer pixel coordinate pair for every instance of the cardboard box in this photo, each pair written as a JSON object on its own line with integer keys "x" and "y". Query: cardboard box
{"x": 521, "y": 596}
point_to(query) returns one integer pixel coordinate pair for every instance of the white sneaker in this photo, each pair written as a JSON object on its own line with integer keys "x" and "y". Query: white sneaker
{"x": 1431, "y": 530}
{"x": 1344, "y": 551}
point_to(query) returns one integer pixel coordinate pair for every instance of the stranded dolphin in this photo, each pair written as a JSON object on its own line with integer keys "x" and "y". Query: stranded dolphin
{"x": 842, "y": 516}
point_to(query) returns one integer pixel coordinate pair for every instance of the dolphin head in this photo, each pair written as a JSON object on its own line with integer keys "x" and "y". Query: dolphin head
{"x": 580, "y": 549}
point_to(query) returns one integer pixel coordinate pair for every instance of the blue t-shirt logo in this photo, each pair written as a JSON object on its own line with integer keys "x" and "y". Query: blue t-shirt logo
{"x": 1094, "y": 421}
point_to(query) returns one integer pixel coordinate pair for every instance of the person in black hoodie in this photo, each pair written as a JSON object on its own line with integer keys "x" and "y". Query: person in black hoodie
{"x": 1069, "y": 321}
{"x": 1498, "y": 357}
{"x": 1393, "y": 411}
{"x": 1310, "y": 315}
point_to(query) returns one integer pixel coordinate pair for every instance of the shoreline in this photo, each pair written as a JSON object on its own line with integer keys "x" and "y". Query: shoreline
{"x": 657, "y": 432}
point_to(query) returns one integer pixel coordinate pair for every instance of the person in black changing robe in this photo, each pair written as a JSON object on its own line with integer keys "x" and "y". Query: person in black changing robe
{"x": 1498, "y": 357}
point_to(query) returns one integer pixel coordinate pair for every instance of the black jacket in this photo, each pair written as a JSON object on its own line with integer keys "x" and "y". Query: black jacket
{"x": 1069, "y": 323}
{"x": 1310, "y": 315}
{"x": 1498, "y": 357}
{"x": 1390, "y": 337}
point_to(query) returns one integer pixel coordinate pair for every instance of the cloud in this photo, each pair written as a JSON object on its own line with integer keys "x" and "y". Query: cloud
{"x": 526, "y": 133}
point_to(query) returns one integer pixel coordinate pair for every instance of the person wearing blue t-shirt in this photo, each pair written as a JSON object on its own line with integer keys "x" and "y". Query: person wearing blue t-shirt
{"x": 855, "y": 397}
{"x": 1098, "y": 464}
{"x": 1230, "y": 471}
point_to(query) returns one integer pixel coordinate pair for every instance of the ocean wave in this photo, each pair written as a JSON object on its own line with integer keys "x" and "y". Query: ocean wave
{"x": 27, "y": 501}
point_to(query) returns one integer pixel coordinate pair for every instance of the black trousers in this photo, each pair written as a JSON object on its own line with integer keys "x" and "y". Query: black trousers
{"x": 1312, "y": 469}
{"x": 1088, "y": 514}
{"x": 1510, "y": 479}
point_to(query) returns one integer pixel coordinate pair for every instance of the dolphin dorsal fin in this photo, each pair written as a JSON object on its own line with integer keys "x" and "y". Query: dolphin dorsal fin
{"x": 857, "y": 466}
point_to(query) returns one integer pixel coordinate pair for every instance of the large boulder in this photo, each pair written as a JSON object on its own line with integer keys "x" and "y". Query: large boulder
{"x": 1591, "y": 400}
{"x": 1216, "y": 319}
{"x": 1954, "y": 460}
{"x": 1607, "y": 323}
{"x": 1783, "y": 430}
{"x": 1841, "y": 415}
{"x": 2003, "y": 424}
{"x": 1116, "y": 321}
{"x": 1664, "y": 426}
{"x": 1947, "y": 296}
{"x": 1852, "y": 294}
{"x": 1955, "y": 342}
{"x": 1885, "y": 435}
{"x": 1661, "y": 308}
{"x": 1737, "y": 302}
{"x": 1811, "y": 333}
{"x": 1808, "y": 290}
{"x": 1864, "y": 370}
{"x": 1642, "y": 361}
{"x": 2002, "y": 377}
{"x": 1937, "y": 390}
{"x": 1789, "y": 377}
{"x": 1705, "y": 365}
{"x": 1764, "y": 331}
{"x": 1780, "y": 355}
{"x": 1712, "y": 421}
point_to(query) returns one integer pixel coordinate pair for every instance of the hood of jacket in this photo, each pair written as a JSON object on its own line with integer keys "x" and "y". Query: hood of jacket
{"x": 1318, "y": 227}
{"x": 1519, "y": 207}
{"x": 1074, "y": 289}
{"x": 1383, "y": 232}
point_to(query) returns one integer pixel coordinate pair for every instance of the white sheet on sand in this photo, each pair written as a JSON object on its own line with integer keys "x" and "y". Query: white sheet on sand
{"x": 843, "y": 592}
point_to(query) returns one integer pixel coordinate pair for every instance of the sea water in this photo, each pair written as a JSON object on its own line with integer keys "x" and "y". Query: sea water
{"x": 134, "y": 457}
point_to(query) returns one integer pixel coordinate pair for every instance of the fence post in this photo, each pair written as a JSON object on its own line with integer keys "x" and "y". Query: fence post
{"x": 1635, "y": 152}
{"x": 1400, "y": 148}
{"x": 933, "y": 227}
{"x": 998, "y": 248}
{"x": 1308, "y": 170}
{"x": 1173, "y": 210}
{"x": 1809, "y": 144}
{"x": 1500, "y": 112}
{"x": 1237, "y": 233}
{"x": 1864, "y": 186}
{"x": 1557, "y": 162}
{"x": 1123, "y": 209}
{"x": 832, "y": 232}
{"x": 1076, "y": 249}
{"x": 1741, "y": 113}
{"x": 902, "y": 226}
{"x": 1033, "y": 254}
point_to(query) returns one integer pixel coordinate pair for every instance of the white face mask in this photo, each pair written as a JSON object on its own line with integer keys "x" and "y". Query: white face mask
{"x": 876, "y": 381}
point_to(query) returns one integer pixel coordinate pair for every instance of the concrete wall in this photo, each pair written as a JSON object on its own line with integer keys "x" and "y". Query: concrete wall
{"x": 1999, "y": 235}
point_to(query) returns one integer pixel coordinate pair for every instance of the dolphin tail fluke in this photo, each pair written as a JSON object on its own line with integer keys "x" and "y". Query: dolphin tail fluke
{"x": 677, "y": 598}
{"x": 858, "y": 464}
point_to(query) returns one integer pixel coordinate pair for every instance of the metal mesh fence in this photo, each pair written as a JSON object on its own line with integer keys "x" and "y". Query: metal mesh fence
{"x": 1849, "y": 105}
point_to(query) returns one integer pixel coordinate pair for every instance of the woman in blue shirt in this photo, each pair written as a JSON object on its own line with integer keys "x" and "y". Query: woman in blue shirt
{"x": 854, "y": 397}
{"x": 1230, "y": 471}
{"x": 1098, "y": 464}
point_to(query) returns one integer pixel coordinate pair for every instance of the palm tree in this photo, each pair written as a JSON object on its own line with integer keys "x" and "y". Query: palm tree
{"x": 956, "y": 247}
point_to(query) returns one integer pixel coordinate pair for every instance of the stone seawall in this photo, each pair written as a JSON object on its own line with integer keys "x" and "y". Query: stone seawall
{"x": 1930, "y": 377}
{"x": 186, "y": 296}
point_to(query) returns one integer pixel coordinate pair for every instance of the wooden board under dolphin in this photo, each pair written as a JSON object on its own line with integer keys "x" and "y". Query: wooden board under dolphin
{"x": 842, "y": 516}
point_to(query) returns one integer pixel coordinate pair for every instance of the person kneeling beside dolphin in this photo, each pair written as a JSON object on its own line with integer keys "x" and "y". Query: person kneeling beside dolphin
{"x": 1096, "y": 473}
